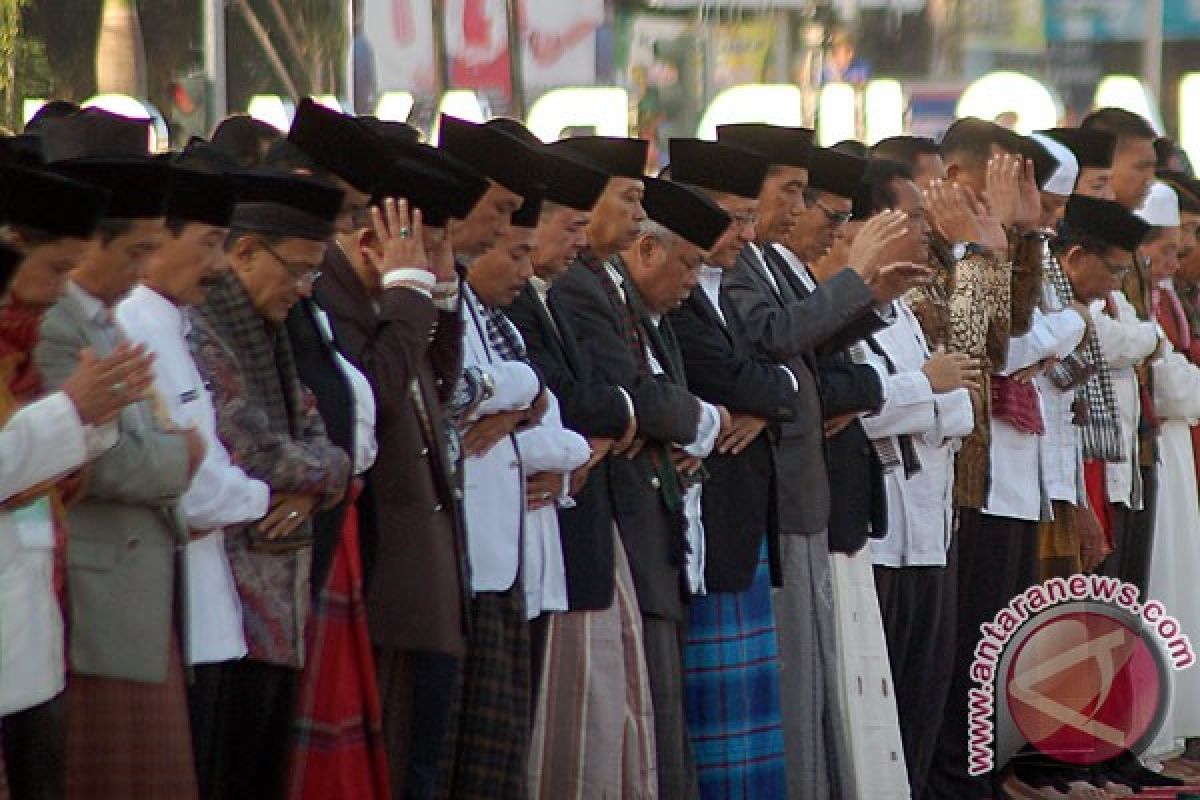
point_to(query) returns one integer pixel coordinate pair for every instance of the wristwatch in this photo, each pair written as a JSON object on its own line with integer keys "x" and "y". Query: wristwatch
{"x": 489, "y": 385}
{"x": 963, "y": 249}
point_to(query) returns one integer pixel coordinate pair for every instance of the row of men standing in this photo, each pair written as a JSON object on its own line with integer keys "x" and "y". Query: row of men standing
{"x": 597, "y": 418}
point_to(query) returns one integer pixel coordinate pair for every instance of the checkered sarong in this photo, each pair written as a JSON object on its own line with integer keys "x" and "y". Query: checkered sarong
{"x": 487, "y": 758}
{"x": 734, "y": 716}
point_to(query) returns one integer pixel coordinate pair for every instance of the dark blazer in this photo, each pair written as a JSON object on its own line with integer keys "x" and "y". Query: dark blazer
{"x": 590, "y": 407}
{"x": 788, "y": 329}
{"x": 648, "y": 509}
{"x": 414, "y": 550}
{"x": 319, "y": 371}
{"x": 723, "y": 368}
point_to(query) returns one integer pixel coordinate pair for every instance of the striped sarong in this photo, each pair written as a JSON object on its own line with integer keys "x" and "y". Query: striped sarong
{"x": 732, "y": 685}
{"x": 593, "y": 733}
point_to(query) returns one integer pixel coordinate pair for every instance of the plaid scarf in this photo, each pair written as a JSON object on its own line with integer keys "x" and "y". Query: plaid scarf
{"x": 263, "y": 350}
{"x": 503, "y": 335}
{"x": 1101, "y": 432}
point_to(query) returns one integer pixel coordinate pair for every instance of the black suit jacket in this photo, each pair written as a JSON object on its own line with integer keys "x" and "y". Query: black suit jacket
{"x": 649, "y": 518}
{"x": 858, "y": 509}
{"x": 737, "y": 501}
{"x": 590, "y": 407}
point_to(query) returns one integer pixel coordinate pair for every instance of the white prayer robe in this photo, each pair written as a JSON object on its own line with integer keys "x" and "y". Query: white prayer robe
{"x": 1177, "y": 533}
{"x": 494, "y": 483}
{"x": 220, "y": 494}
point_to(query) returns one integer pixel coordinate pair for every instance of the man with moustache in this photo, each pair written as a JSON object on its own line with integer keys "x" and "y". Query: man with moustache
{"x": 379, "y": 299}
{"x": 498, "y": 394}
{"x": 617, "y": 307}
{"x": 221, "y": 494}
{"x": 1186, "y": 286}
{"x": 271, "y": 426}
{"x": 734, "y": 715}
{"x": 600, "y": 739}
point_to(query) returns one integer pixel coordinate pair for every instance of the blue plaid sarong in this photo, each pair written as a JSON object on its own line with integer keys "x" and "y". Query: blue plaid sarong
{"x": 734, "y": 718}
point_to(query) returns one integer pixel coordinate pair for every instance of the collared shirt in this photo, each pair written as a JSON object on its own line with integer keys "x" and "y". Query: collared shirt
{"x": 710, "y": 284}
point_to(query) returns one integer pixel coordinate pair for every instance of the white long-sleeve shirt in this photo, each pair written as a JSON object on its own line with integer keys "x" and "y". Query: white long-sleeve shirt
{"x": 220, "y": 494}
{"x": 1126, "y": 341}
{"x": 919, "y": 508}
{"x": 1017, "y": 487}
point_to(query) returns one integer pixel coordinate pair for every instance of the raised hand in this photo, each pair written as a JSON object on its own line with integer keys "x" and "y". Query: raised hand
{"x": 400, "y": 238}
{"x": 870, "y": 250}
{"x": 100, "y": 387}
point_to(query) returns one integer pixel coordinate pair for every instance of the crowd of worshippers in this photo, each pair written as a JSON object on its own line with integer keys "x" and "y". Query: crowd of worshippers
{"x": 339, "y": 465}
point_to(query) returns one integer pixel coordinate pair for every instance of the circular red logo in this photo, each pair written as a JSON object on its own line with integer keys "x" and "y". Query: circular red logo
{"x": 1085, "y": 686}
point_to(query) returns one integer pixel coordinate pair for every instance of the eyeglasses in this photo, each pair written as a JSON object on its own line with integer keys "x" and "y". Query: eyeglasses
{"x": 303, "y": 275}
{"x": 1118, "y": 269}
{"x": 836, "y": 218}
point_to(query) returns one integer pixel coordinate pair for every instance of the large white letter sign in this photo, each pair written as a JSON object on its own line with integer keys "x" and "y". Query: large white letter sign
{"x": 1000, "y": 92}
{"x": 601, "y": 107}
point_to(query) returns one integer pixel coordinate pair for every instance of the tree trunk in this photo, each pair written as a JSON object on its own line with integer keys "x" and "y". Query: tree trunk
{"x": 120, "y": 56}
{"x": 264, "y": 40}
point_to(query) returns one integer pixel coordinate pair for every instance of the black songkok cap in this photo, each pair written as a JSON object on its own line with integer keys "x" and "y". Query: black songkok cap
{"x": 439, "y": 194}
{"x": 474, "y": 183}
{"x": 94, "y": 133}
{"x": 498, "y": 155}
{"x": 138, "y": 187}
{"x": 1044, "y": 162}
{"x": 51, "y": 203}
{"x": 338, "y": 143}
{"x": 1105, "y": 220}
{"x": 202, "y": 197}
{"x": 23, "y": 150}
{"x": 10, "y": 261}
{"x": 717, "y": 167}
{"x": 570, "y": 179}
{"x": 529, "y": 213}
{"x": 785, "y": 147}
{"x": 204, "y": 156}
{"x": 282, "y": 204}
{"x": 1093, "y": 148}
{"x": 836, "y": 173}
{"x": 619, "y": 157}
{"x": 685, "y": 211}
{"x": 391, "y": 133}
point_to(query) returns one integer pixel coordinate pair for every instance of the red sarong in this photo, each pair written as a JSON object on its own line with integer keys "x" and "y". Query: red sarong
{"x": 337, "y": 752}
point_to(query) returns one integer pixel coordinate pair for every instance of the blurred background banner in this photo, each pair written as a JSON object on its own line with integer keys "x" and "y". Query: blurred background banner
{"x": 400, "y": 33}
{"x": 558, "y": 42}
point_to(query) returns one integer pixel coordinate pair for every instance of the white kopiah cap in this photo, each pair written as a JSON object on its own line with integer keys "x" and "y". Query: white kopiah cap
{"x": 1063, "y": 180}
{"x": 1161, "y": 208}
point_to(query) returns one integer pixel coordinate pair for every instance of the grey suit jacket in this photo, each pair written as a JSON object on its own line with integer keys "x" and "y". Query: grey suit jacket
{"x": 125, "y": 531}
{"x": 788, "y": 330}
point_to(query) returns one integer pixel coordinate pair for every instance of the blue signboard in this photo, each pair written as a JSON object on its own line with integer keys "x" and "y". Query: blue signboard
{"x": 1117, "y": 20}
